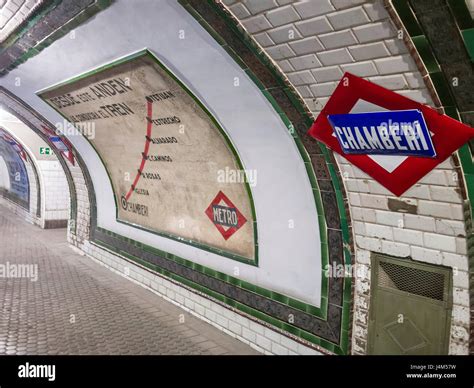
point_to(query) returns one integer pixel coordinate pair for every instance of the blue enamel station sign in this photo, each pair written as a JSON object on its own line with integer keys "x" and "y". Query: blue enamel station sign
{"x": 401, "y": 132}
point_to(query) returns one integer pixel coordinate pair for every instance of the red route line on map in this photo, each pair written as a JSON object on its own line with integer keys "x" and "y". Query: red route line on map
{"x": 149, "y": 107}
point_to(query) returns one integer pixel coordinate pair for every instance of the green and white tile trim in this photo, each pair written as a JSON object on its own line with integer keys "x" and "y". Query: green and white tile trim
{"x": 247, "y": 328}
{"x": 80, "y": 238}
{"x": 386, "y": 59}
{"x": 321, "y": 312}
{"x": 259, "y": 336}
{"x": 296, "y": 101}
{"x": 43, "y": 41}
{"x": 465, "y": 24}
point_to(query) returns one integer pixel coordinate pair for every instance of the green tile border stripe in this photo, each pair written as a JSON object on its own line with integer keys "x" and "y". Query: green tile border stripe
{"x": 313, "y": 181}
{"x": 196, "y": 267}
{"x": 251, "y": 312}
{"x": 42, "y": 11}
{"x": 282, "y": 325}
{"x": 303, "y": 307}
{"x": 247, "y": 40}
{"x": 461, "y": 13}
{"x": 344, "y": 345}
{"x": 464, "y": 154}
{"x": 464, "y": 22}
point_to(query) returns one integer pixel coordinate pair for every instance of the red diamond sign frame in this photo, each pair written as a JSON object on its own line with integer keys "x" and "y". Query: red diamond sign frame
{"x": 448, "y": 134}
{"x": 226, "y": 231}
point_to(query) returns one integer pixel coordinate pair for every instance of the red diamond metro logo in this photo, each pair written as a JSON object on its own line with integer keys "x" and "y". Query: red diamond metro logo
{"x": 225, "y": 216}
{"x": 395, "y": 172}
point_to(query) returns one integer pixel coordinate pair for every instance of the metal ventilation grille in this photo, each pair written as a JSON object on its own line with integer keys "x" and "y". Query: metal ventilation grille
{"x": 412, "y": 280}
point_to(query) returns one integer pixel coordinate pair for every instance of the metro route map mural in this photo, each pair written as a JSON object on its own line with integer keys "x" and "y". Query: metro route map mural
{"x": 164, "y": 153}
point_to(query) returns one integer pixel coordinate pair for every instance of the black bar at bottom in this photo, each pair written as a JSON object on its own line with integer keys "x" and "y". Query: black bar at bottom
{"x": 298, "y": 371}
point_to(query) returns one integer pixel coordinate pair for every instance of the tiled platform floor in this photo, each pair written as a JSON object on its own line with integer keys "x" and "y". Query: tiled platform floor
{"x": 79, "y": 307}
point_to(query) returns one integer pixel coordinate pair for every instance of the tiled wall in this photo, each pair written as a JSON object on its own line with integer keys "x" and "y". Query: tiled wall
{"x": 33, "y": 214}
{"x": 257, "y": 334}
{"x": 53, "y": 199}
{"x": 261, "y": 335}
{"x": 313, "y": 43}
{"x": 55, "y": 191}
{"x": 431, "y": 230}
{"x": 248, "y": 330}
{"x": 13, "y": 13}
{"x": 79, "y": 229}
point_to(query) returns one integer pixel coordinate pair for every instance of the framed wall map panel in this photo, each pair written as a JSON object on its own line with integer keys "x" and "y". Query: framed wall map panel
{"x": 166, "y": 156}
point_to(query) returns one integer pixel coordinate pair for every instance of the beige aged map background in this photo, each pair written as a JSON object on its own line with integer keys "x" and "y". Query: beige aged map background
{"x": 180, "y": 165}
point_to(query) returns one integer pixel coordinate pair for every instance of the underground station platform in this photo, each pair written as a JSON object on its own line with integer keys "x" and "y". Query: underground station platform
{"x": 237, "y": 178}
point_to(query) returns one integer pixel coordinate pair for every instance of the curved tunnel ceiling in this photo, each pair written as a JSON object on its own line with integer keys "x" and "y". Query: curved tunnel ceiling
{"x": 288, "y": 231}
{"x": 29, "y": 140}
{"x": 48, "y": 193}
{"x": 245, "y": 95}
